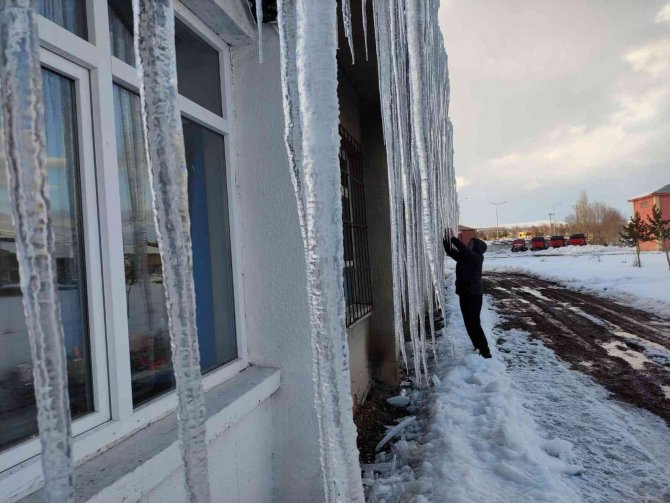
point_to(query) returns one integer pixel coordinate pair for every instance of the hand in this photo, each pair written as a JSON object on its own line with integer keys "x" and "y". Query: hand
{"x": 446, "y": 240}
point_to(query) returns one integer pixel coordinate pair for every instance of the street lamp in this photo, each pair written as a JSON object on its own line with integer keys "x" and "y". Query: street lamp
{"x": 497, "y": 229}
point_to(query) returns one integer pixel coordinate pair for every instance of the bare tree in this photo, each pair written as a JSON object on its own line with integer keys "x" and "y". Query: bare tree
{"x": 599, "y": 222}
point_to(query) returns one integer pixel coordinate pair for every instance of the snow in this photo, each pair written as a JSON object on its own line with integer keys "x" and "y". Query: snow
{"x": 157, "y": 70}
{"x": 522, "y": 427}
{"x": 605, "y": 270}
{"x": 26, "y": 164}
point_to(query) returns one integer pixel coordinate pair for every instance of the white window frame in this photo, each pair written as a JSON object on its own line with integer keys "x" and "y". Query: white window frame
{"x": 95, "y": 71}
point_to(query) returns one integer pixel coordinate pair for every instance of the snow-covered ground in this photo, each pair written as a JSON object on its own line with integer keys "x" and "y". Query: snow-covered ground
{"x": 522, "y": 427}
{"x": 606, "y": 271}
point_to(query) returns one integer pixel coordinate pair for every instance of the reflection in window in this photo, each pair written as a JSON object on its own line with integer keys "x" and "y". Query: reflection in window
{"x": 70, "y": 14}
{"x": 18, "y": 414}
{"x": 150, "y": 355}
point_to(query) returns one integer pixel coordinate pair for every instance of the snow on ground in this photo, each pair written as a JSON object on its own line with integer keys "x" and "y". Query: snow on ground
{"x": 522, "y": 427}
{"x": 606, "y": 271}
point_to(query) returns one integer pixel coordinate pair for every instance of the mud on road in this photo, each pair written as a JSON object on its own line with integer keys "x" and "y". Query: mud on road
{"x": 624, "y": 349}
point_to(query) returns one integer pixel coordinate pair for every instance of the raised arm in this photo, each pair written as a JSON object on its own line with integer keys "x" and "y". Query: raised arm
{"x": 454, "y": 254}
{"x": 463, "y": 250}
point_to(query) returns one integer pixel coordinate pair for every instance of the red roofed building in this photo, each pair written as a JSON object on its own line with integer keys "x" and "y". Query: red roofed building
{"x": 465, "y": 233}
{"x": 644, "y": 204}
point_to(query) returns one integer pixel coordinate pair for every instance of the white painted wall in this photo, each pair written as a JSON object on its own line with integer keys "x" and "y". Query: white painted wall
{"x": 240, "y": 464}
{"x": 277, "y": 317}
{"x": 359, "y": 363}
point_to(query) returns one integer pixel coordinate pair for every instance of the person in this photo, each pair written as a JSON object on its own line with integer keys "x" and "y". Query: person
{"x": 469, "y": 260}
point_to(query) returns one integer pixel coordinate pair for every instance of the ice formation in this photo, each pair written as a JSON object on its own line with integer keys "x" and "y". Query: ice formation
{"x": 155, "y": 52}
{"x": 414, "y": 87}
{"x": 309, "y": 75}
{"x": 259, "y": 24}
{"x": 348, "y": 31}
{"x": 25, "y": 160}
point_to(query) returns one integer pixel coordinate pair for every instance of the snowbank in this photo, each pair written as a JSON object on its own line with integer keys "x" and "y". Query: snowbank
{"x": 479, "y": 443}
{"x": 606, "y": 271}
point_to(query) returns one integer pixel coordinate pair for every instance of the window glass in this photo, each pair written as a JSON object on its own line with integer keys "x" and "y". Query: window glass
{"x": 121, "y": 30}
{"x": 150, "y": 355}
{"x": 70, "y": 14}
{"x": 198, "y": 71}
{"x": 210, "y": 235}
{"x": 198, "y": 74}
{"x": 18, "y": 414}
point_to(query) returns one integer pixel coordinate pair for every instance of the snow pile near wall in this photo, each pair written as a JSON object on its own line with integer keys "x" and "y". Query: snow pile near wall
{"x": 607, "y": 271}
{"x": 479, "y": 443}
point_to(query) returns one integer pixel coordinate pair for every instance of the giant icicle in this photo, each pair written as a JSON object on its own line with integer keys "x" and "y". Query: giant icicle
{"x": 414, "y": 88}
{"x": 155, "y": 52}
{"x": 25, "y": 159}
{"x": 309, "y": 75}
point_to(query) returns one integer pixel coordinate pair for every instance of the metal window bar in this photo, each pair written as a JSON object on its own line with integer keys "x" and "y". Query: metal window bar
{"x": 356, "y": 276}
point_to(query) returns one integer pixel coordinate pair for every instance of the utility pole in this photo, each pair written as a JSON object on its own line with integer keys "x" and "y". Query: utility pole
{"x": 551, "y": 223}
{"x": 497, "y": 226}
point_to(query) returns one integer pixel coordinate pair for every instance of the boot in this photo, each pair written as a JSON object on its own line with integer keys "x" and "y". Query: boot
{"x": 485, "y": 353}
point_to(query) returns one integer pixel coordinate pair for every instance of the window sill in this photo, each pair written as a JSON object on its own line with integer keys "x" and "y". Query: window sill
{"x": 360, "y": 320}
{"x": 136, "y": 464}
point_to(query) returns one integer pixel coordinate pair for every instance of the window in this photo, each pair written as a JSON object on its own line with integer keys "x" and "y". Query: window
{"x": 18, "y": 419}
{"x": 70, "y": 14}
{"x": 107, "y": 261}
{"x": 357, "y": 282}
{"x": 644, "y": 204}
{"x": 149, "y": 337}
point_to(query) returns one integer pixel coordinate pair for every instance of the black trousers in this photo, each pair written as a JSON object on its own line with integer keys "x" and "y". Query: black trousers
{"x": 471, "y": 307}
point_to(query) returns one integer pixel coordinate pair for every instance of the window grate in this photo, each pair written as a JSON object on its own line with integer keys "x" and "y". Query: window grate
{"x": 357, "y": 280}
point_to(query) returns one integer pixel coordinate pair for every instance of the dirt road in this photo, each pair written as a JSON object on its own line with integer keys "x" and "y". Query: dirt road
{"x": 624, "y": 349}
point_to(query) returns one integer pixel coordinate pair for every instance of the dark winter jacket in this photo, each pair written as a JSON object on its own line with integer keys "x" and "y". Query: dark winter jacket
{"x": 468, "y": 265}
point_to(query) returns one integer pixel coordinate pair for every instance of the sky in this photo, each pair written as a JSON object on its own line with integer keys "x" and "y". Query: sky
{"x": 550, "y": 98}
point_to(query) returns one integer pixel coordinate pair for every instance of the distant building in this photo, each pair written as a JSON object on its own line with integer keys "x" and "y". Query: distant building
{"x": 644, "y": 204}
{"x": 465, "y": 233}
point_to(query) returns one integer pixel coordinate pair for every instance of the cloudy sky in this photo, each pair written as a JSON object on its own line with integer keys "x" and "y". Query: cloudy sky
{"x": 549, "y": 98}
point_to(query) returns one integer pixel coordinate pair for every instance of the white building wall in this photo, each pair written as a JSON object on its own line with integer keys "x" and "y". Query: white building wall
{"x": 277, "y": 318}
{"x": 240, "y": 464}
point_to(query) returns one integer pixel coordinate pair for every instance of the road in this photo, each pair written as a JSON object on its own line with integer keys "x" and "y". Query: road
{"x": 624, "y": 349}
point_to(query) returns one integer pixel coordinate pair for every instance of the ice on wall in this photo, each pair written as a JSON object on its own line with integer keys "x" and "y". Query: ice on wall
{"x": 414, "y": 88}
{"x": 309, "y": 75}
{"x": 348, "y": 31}
{"x": 259, "y": 24}
{"x": 155, "y": 53}
{"x": 25, "y": 160}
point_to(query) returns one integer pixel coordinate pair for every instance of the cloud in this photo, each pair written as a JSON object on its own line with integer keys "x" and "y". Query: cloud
{"x": 663, "y": 15}
{"x": 653, "y": 58}
{"x": 629, "y": 135}
{"x": 462, "y": 182}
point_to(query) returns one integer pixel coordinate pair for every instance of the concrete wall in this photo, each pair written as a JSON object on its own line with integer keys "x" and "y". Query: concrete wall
{"x": 359, "y": 360}
{"x": 277, "y": 317}
{"x": 383, "y": 350}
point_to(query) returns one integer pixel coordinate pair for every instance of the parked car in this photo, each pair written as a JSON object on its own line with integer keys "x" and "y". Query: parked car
{"x": 578, "y": 240}
{"x": 557, "y": 241}
{"x": 519, "y": 245}
{"x": 538, "y": 243}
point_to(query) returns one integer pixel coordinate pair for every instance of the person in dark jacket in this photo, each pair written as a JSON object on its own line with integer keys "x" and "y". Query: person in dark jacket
{"x": 469, "y": 260}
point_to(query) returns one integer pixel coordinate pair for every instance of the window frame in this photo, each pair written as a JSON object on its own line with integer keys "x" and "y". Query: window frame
{"x": 95, "y": 71}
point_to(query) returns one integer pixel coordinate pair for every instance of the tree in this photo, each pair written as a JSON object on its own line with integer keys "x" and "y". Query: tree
{"x": 659, "y": 230}
{"x": 635, "y": 232}
{"x": 601, "y": 223}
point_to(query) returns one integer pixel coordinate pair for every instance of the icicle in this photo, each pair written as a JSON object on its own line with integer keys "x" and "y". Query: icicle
{"x": 25, "y": 160}
{"x": 348, "y": 32}
{"x": 155, "y": 54}
{"x": 259, "y": 24}
{"x": 414, "y": 89}
{"x": 289, "y": 81}
{"x": 318, "y": 195}
{"x": 364, "y": 7}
